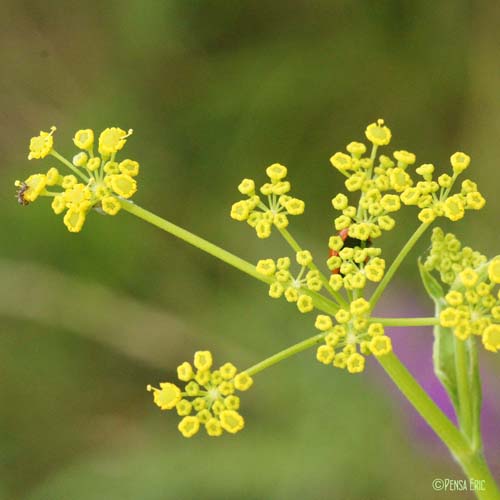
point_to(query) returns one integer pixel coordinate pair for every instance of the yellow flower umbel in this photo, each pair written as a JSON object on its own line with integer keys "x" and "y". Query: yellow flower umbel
{"x": 350, "y": 336}
{"x": 208, "y": 398}
{"x": 280, "y": 205}
{"x": 449, "y": 258}
{"x": 474, "y": 305}
{"x": 293, "y": 288}
{"x": 384, "y": 182}
{"x": 95, "y": 182}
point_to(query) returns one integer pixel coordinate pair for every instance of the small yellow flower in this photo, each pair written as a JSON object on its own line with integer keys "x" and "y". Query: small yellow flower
{"x": 68, "y": 181}
{"x": 247, "y": 186}
{"x": 305, "y": 304}
{"x": 475, "y": 200}
{"x": 340, "y": 202}
{"x": 35, "y": 185}
{"x": 123, "y": 185}
{"x": 129, "y": 167}
{"x": 203, "y": 360}
{"x": 427, "y": 215}
{"x": 58, "y": 204}
{"x": 494, "y": 270}
{"x": 375, "y": 329}
{"x": 459, "y": 162}
{"x": 469, "y": 277}
{"x": 41, "y": 145}
{"x": 325, "y": 354}
{"x": 231, "y": 421}
{"x": 399, "y": 179}
{"x": 74, "y": 220}
{"x": 185, "y": 372}
{"x": 378, "y": 133}
{"x": 84, "y": 139}
{"x": 213, "y": 427}
{"x": 342, "y": 316}
{"x": 357, "y": 149}
{"x": 266, "y": 267}
{"x": 491, "y": 338}
{"x": 276, "y": 172}
{"x": 240, "y": 210}
{"x": 380, "y": 345}
{"x": 355, "y": 363}
{"x": 93, "y": 164}
{"x": 449, "y": 317}
{"x": 228, "y": 371}
{"x": 454, "y": 298}
{"x": 323, "y": 322}
{"x": 53, "y": 177}
{"x": 454, "y": 208}
{"x": 404, "y": 158}
{"x": 111, "y": 140}
{"x": 243, "y": 381}
{"x": 263, "y": 229}
{"x": 167, "y": 396}
{"x": 341, "y": 161}
{"x": 295, "y": 206}
{"x": 111, "y": 205}
{"x": 80, "y": 159}
{"x": 359, "y": 306}
{"x": 304, "y": 257}
{"x": 189, "y": 426}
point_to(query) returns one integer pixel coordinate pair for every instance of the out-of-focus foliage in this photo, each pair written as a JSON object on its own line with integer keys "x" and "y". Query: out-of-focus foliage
{"x": 215, "y": 91}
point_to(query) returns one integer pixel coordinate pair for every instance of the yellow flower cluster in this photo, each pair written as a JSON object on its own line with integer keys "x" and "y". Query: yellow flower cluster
{"x": 208, "y": 398}
{"x": 280, "y": 205}
{"x": 474, "y": 306}
{"x": 351, "y": 337}
{"x": 373, "y": 177}
{"x": 449, "y": 258}
{"x": 99, "y": 182}
{"x": 353, "y": 263}
{"x": 293, "y": 288}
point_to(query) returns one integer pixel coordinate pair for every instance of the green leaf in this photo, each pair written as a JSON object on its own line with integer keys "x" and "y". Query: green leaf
{"x": 443, "y": 350}
{"x": 431, "y": 284}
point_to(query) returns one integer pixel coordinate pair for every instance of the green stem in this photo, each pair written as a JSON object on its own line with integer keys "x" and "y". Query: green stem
{"x": 312, "y": 266}
{"x": 320, "y": 302}
{"x": 286, "y": 353}
{"x": 465, "y": 406}
{"x": 397, "y": 262}
{"x": 194, "y": 240}
{"x": 472, "y": 463}
{"x": 80, "y": 174}
{"x": 405, "y": 321}
{"x": 476, "y": 390}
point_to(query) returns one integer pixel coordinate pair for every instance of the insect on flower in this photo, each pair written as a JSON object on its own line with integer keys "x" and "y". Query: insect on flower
{"x": 349, "y": 242}
{"x": 22, "y": 188}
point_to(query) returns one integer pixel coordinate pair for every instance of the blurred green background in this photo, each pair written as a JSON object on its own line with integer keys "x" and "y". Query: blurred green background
{"x": 215, "y": 91}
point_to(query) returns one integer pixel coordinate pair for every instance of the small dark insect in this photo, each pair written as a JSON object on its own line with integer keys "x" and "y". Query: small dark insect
{"x": 22, "y": 188}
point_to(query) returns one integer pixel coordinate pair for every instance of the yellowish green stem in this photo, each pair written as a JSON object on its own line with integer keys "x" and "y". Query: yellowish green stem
{"x": 405, "y": 321}
{"x": 286, "y": 353}
{"x": 320, "y": 302}
{"x": 472, "y": 463}
{"x": 397, "y": 262}
{"x": 74, "y": 169}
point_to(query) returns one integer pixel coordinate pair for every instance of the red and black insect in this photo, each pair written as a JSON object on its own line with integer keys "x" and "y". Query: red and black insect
{"x": 349, "y": 242}
{"x": 22, "y": 188}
